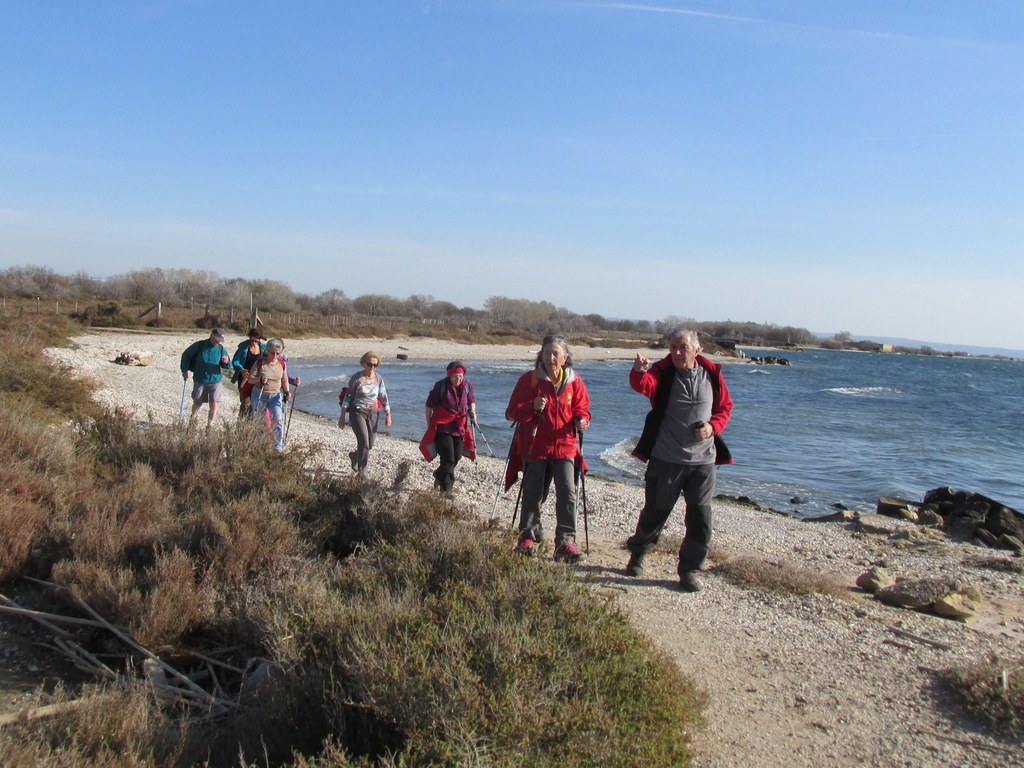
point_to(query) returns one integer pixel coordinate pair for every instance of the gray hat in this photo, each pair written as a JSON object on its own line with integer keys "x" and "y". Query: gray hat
{"x": 217, "y": 335}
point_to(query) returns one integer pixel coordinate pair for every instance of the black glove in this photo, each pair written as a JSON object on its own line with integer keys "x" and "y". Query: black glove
{"x": 286, "y": 395}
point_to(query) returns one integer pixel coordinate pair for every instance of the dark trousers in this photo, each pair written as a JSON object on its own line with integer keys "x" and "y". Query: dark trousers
{"x": 536, "y": 481}
{"x": 449, "y": 451}
{"x": 664, "y": 482}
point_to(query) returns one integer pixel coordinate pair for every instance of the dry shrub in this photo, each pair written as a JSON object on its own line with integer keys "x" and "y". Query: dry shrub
{"x": 993, "y": 692}
{"x": 112, "y": 592}
{"x": 778, "y": 576}
{"x": 37, "y": 460}
{"x": 114, "y": 726}
{"x": 175, "y": 603}
{"x": 127, "y": 523}
{"x": 244, "y": 539}
{"x": 29, "y": 374}
{"x": 21, "y": 523}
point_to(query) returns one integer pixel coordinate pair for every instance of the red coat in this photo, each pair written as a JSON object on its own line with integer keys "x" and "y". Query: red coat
{"x": 442, "y": 415}
{"x": 552, "y": 433}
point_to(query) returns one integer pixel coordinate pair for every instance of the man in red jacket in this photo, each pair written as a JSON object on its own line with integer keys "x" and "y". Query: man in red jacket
{"x": 690, "y": 406}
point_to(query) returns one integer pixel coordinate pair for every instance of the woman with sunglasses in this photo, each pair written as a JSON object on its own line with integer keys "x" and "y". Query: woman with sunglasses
{"x": 363, "y": 399}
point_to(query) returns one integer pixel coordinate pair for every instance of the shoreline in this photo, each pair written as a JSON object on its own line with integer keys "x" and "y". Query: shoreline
{"x": 793, "y": 681}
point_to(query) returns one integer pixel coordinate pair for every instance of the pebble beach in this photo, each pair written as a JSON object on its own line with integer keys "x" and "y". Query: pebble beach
{"x": 792, "y": 680}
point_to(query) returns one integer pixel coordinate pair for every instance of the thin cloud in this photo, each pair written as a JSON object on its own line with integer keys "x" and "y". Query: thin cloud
{"x": 674, "y": 11}
{"x": 668, "y": 10}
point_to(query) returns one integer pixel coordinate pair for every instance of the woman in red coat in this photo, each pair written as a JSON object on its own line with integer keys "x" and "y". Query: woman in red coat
{"x": 551, "y": 407}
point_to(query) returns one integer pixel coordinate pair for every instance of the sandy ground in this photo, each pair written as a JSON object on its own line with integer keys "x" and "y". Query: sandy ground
{"x": 792, "y": 681}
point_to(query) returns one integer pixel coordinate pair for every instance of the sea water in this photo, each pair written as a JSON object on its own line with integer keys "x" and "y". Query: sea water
{"x": 832, "y": 427}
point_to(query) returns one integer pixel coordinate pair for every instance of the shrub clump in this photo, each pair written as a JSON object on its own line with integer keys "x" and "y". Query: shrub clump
{"x": 341, "y": 622}
{"x": 993, "y": 692}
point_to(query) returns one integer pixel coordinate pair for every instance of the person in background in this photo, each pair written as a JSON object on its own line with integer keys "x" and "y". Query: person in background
{"x": 450, "y": 405}
{"x": 551, "y": 408}
{"x": 268, "y": 377}
{"x": 690, "y": 406}
{"x": 248, "y": 352}
{"x": 362, "y": 399}
{"x": 205, "y": 358}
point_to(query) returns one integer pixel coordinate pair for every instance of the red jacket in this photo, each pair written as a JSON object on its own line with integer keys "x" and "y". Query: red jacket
{"x": 655, "y": 383}
{"x": 547, "y": 435}
{"x": 442, "y": 415}
{"x": 550, "y": 434}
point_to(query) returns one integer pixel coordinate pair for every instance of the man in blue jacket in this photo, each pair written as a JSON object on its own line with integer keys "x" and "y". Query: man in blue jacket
{"x": 205, "y": 358}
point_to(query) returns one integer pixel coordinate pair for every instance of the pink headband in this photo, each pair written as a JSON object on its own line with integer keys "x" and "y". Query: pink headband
{"x": 453, "y": 371}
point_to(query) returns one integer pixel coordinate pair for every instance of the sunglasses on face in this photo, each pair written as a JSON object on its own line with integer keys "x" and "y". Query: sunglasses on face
{"x": 372, "y": 365}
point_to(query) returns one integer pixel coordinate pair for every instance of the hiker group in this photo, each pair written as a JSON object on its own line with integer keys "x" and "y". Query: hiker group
{"x": 259, "y": 369}
{"x": 550, "y": 407}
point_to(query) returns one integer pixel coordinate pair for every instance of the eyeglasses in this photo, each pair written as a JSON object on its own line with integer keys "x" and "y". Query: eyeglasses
{"x": 372, "y": 365}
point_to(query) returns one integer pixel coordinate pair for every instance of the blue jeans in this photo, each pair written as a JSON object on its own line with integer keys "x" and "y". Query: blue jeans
{"x": 274, "y": 405}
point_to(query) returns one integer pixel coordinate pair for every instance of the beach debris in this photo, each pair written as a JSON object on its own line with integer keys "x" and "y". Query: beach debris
{"x": 135, "y": 358}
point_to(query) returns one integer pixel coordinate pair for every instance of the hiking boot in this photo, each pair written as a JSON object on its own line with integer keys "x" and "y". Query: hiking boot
{"x": 352, "y": 458}
{"x": 635, "y": 566}
{"x": 525, "y": 547}
{"x": 569, "y": 553}
{"x": 688, "y": 582}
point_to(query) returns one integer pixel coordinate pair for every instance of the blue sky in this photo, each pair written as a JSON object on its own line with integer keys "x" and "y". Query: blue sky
{"x": 832, "y": 165}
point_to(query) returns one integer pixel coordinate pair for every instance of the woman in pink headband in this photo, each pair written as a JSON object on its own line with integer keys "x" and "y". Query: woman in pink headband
{"x": 451, "y": 406}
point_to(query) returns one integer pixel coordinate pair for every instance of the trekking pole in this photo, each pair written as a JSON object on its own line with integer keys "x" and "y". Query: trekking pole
{"x": 581, "y": 496}
{"x": 291, "y": 410}
{"x": 486, "y": 441}
{"x": 181, "y": 408}
{"x": 515, "y": 509}
{"x": 501, "y": 475}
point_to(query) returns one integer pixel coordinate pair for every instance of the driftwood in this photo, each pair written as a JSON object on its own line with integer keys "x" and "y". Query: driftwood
{"x": 919, "y": 639}
{"x": 170, "y": 685}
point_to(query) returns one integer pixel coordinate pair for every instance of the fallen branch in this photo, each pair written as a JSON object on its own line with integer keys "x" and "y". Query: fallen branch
{"x": 919, "y": 639}
{"x": 12, "y": 608}
{"x": 204, "y": 697}
{"x": 80, "y": 656}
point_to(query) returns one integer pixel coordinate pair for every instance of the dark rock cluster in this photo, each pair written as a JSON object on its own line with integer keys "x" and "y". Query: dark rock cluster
{"x": 963, "y": 515}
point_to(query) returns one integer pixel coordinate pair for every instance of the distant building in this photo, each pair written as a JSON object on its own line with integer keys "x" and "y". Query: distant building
{"x": 886, "y": 347}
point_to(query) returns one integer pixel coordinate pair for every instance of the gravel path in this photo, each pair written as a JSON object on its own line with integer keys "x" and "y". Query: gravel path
{"x": 792, "y": 680}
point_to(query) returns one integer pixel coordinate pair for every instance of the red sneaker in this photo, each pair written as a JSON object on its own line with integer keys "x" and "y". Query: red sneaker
{"x": 525, "y": 546}
{"x": 569, "y": 553}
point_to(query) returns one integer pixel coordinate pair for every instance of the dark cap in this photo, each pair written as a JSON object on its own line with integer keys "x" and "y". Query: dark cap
{"x": 217, "y": 335}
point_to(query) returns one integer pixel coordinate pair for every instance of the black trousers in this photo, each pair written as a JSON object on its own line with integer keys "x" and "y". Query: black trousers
{"x": 449, "y": 451}
{"x": 664, "y": 482}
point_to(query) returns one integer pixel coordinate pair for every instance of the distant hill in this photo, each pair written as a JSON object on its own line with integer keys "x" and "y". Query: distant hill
{"x": 970, "y": 350}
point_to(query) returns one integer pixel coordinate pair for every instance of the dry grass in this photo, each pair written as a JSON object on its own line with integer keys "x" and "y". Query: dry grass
{"x": 994, "y": 693}
{"x": 778, "y": 576}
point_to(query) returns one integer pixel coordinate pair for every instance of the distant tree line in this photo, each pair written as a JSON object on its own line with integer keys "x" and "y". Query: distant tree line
{"x": 182, "y": 287}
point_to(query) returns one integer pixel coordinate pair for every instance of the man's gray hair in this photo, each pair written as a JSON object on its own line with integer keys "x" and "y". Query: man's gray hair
{"x": 686, "y": 334}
